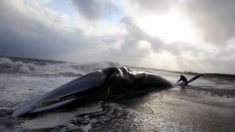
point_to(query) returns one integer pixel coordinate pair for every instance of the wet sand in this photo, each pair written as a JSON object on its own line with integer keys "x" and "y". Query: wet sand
{"x": 207, "y": 105}
{"x": 172, "y": 110}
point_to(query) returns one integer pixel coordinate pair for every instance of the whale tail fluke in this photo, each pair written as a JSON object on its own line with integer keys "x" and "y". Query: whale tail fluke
{"x": 194, "y": 78}
{"x": 185, "y": 81}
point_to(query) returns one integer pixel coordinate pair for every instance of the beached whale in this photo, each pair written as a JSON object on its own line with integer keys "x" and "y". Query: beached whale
{"x": 109, "y": 83}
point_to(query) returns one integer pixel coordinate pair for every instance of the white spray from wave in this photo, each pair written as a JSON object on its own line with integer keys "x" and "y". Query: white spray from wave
{"x": 8, "y": 66}
{"x": 50, "y": 68}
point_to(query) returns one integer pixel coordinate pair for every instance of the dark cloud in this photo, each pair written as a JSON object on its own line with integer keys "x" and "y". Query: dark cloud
{"x": 24, "y": 36}
{"x": 94, "y": 9}
{"x": 215, "y": 18}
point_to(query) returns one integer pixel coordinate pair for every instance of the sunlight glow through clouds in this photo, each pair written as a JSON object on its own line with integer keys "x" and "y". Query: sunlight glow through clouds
{"x": 170, "y": 27}
{"x": 143, "y": 44}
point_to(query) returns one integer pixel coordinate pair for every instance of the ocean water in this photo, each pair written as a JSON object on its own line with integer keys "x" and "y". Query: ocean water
{"x": 208, "y": 104}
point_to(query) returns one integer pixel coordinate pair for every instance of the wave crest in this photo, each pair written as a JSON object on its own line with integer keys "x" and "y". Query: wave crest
{"x": 42, "y": 67}
{"x": 8, "y": 66}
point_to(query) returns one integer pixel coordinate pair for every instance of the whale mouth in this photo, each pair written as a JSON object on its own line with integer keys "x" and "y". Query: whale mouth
{"x": 56, "y": 100}
{"x": 44, "y": 105}
{"x": 50, "y": 106}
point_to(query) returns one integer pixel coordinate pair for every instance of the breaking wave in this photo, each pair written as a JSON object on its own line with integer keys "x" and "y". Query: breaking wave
{"x": 41, "y": 67}
{"x": 8, "y": 66}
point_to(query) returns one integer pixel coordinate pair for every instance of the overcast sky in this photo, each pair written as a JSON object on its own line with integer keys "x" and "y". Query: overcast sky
{"x": 186, "y": 35}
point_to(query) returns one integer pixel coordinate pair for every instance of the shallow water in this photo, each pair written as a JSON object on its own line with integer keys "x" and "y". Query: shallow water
{"x": 207, "y": 105}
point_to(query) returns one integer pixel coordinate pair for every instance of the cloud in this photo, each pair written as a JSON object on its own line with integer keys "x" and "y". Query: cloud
{"x": 136, "y": 45}
{"x": 215, "y": 18}
{"x": 29, "y": 35}
{"x": 154, "y": 6}
{"x": 23, "y": 34}
{"x": 95, "y": 9}
{"x": 30, "y": 28}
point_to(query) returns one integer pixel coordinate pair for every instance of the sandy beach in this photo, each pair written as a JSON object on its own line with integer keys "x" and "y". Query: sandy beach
{"x": 208, "y": 104}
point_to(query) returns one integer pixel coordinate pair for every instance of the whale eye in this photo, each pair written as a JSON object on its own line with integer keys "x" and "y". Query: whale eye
{"x": 129, "y": 69}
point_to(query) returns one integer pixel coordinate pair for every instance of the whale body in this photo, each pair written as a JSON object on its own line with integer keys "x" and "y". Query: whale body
{"x": 105, "y": 84}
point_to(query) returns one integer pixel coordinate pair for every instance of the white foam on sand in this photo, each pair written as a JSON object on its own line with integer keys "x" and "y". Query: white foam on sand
{"x": 17, "y": 89}
{"x": 62, "y": 118}
{"x": 49, "y": 121}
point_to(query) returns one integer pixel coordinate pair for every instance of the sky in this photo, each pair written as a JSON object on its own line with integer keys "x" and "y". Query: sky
{"x": 182, "y": 35}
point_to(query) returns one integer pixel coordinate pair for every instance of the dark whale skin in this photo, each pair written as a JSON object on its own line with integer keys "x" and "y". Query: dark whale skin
{"x": 105, "y": 84}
